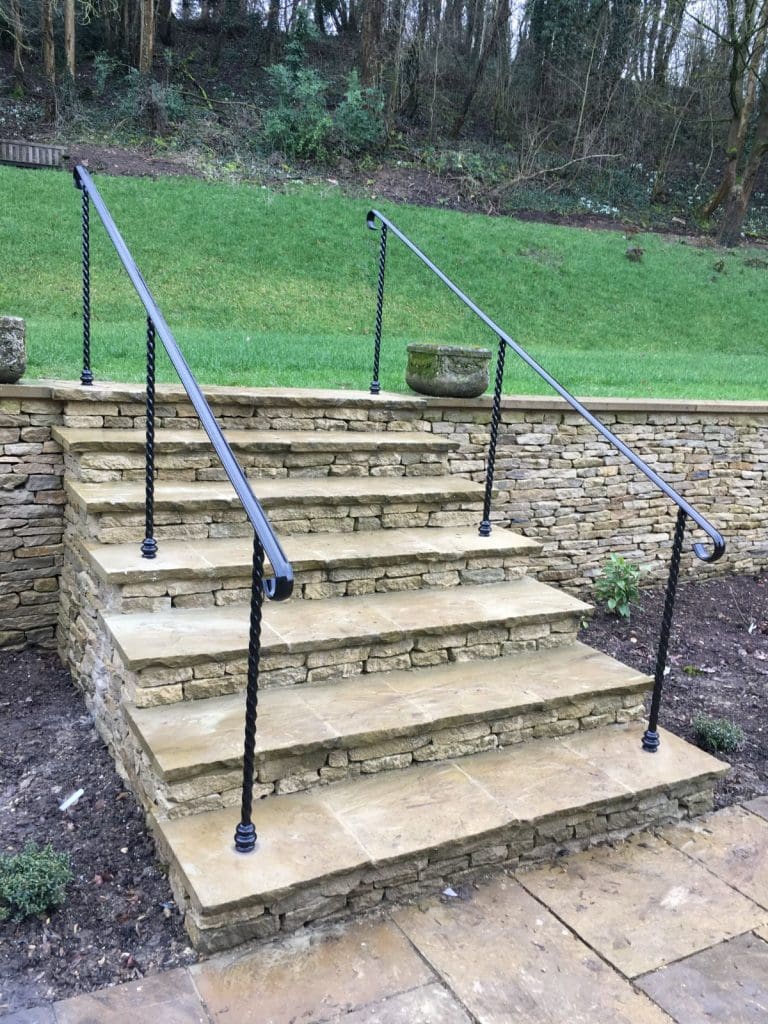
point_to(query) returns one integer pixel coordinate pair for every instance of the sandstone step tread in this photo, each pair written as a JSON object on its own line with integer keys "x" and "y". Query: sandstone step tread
{"x": 186, "y": 636}
{"x": 307, "y": 838}
{"x": 125, "y": 496}
{"x": 211, "y": 557}
{"x": 192, "y": 737}
{"x": 81, "y": 439}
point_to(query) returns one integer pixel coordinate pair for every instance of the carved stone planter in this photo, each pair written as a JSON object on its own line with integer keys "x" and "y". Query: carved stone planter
{"x": 448, "y": 371}
{"x": 13, "y": 349}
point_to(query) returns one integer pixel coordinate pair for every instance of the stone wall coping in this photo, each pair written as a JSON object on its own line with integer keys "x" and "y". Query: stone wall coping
{"x": 71, "y": 391}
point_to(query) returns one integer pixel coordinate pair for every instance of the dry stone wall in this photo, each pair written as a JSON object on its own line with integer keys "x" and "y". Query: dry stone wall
{"x": 563, "y": 484}
{"x": 31, "y": 516}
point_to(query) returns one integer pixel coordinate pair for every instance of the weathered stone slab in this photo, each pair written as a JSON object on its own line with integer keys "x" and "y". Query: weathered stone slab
{"x": 733, "y": 844}
{"x": 727, "y": 984}
{"x": 507, "y": 959}
{"x": 169, "y": 997}
{"x": 759, "y": 806}
{"x": 312, "y": 977}
{"x": 431, "y": 1004}
{"x": 643, "y": 904}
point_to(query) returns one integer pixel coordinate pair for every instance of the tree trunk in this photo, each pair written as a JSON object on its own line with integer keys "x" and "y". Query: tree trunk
{"x": 147, "y": 37}
{"x": 49, "y": 59}
{"x": 370, "y": 42}
{"x": 18, "y": 38}
{"x": 740, "y": 193}
{"x": 500, "y": 15}
{"x": 69, "y": 37}
{"x": 165, "y": 22}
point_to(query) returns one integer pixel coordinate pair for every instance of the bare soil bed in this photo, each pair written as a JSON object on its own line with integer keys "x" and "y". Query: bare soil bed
{"x": 717, "y": 666}
{"x": 120, "y": 923}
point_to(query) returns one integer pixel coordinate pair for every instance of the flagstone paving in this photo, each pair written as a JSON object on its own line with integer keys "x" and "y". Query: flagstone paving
{"x": 727, "y": 984}
{"x": 670, "y": 928}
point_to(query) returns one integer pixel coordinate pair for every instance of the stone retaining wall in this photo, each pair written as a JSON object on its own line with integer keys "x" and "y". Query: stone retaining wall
{"x": 583, "y": 500}
{"x": 31, "y": 520}
{"x": 567, "y": 487}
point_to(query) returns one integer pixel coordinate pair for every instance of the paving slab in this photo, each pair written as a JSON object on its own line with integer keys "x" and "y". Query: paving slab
{"x": 168, "y": 998}
{"x": 732, "y": 843}
{"x": 759, "y": 806}
{"x": 35, "y": 1015}
{"x": 643, "y": 904}
{"x": 762, "y": 933}
{"x": 727, "y": 984}
{"x": 431, "y": 1004}
{"x": 508, "y": 959}
{"x": 312, "y": 976}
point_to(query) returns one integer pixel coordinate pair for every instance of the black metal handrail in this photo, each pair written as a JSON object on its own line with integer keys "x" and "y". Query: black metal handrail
{"x": 277, "y": 587}
{"x": 685, "y": 509}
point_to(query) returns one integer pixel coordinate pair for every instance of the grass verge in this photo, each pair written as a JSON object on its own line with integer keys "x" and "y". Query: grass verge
{"x": 269, "y": 288}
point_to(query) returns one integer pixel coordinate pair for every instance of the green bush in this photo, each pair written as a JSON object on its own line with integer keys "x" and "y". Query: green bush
{"x": 617, "y": 586}
{"x": 717, "y": 735}
{"x": 150, "y": 103}
{"x": 359, "y": 119}
{"x": 299, "y": 124}
{"x": 33, "y": 881}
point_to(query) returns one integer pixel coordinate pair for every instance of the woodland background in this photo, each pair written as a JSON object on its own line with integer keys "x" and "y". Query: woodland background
{"x": 656, "y": 107}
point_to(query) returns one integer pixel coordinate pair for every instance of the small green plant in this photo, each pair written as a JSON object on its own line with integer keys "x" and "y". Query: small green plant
{"x": 617, "y": 585}
{"x": 717, "y": 735}
{"x": 33, "y": 881}
{"x": 359, "y": 118}
{"x": 299, "y": 124}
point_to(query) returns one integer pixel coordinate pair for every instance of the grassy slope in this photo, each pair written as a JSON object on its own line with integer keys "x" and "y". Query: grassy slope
{"x": 274, "y": 289}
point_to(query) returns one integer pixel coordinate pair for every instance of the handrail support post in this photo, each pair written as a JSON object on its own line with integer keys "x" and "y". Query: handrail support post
{"x": 149, "y": 544}
{"x": 245, "y": 833}
{"x": 375, "y": 386}
{"x": 651, "y": 740}
{"x": 86, "y": 376}
{"x": 485, "y": 525}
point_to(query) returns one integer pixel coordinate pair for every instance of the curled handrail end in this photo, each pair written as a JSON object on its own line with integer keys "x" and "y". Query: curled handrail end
{"x": 370, "y": 219}
{"x": 278, "y": 588}
{"x": 701, "y": 551}
{"x": 76, "y": 175}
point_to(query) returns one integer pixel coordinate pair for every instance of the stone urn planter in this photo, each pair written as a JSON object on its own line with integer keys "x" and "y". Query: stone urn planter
{"x": 448, "y": 371}
{"x": 13, "y": 349}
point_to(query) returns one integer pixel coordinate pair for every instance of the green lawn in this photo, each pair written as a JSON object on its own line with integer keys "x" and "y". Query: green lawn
{"x": 267, "y": 288}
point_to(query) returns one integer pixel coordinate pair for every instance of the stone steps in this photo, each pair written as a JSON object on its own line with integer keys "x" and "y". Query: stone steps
{"x": 346, "y": 847}
{"x": 218, "y": 570}
{"x": 95, "y": 455}
{"x": 113, "y": 512}
{"x": 191, "y": 753}
{"x": 202, "y": 652}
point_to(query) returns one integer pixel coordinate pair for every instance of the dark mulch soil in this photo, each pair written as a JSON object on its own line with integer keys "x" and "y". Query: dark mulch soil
{"x": 119, "y": 921}
{"x": 718, "y": 666}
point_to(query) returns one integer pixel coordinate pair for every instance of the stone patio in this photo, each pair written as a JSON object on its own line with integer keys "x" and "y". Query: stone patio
{"x": 669, "y": 927}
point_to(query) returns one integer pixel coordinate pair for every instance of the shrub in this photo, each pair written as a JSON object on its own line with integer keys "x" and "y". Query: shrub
{"x": 33, "y": 881}
{"x": 151, "y": 103}
{"x": 299, "y": 125}
{"x": 617, "y": 586}
{"x": 359, "y": 118}
{"x": 717, "y": 735}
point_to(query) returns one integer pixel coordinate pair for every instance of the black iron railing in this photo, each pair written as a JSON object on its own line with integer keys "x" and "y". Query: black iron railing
{"x": 685, "y": 510}
{"x": 279, "y": 585}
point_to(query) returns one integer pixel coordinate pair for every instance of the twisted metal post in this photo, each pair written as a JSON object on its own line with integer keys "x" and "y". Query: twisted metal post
{"x": 245, "y": 833}
{"x": 651, "y": 740}
{"x": 375, "y": 386}
{"x": 149, "y": 544}
{"x": 86, "y": 377}
{"x": 485, "y": 525}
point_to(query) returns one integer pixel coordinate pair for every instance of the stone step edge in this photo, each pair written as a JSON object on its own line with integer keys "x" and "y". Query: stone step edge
{"x": 176, "y": 559}
{"x": 360, "y": 880}
{"x": 562, "y": 608}
{"x": 84, "y": 439}
{"x": 118, "y": 496}
{"x": 371, "y": 731}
